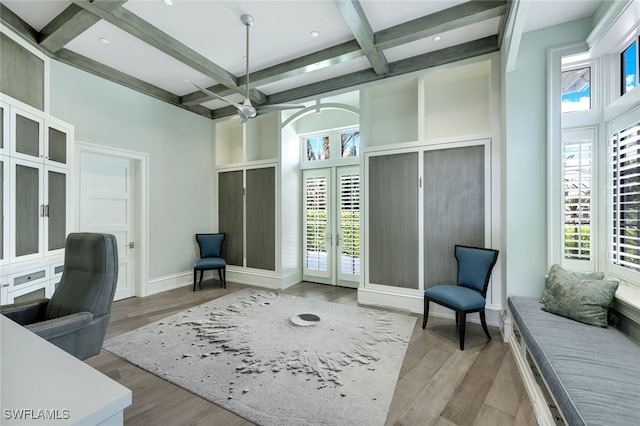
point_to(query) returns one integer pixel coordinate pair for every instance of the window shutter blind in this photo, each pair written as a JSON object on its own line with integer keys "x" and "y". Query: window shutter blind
{"x": 316, "y": 223}
{"x": 577, "y": 199}
{"x": 625, "y": 166}
{"x": 350, "y": 223}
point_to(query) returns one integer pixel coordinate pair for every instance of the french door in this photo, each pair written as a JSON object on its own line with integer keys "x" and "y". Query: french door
{"x": 332, "y": 226}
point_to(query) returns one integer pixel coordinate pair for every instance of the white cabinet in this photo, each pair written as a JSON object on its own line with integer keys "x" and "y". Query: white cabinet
{"x": 30, "y": 280}
{"x": 35, "y": 183}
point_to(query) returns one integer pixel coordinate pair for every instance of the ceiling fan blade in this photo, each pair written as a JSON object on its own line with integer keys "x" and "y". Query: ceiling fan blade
{"x": 278, "y": 107}
{"x": 244, "y": 110}
{"x": 242, "y": 121}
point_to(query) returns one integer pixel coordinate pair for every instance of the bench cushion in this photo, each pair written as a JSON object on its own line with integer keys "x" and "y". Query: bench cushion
{"x": 593, "y": 373}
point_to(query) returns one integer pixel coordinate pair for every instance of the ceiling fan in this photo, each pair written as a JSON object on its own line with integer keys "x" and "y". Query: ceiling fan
{"x": 246, "y": 110}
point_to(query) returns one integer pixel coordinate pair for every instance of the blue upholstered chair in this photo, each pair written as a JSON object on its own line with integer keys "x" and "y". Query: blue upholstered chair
{"x": 210, "y": 258}
{"x": 469, "y": 293}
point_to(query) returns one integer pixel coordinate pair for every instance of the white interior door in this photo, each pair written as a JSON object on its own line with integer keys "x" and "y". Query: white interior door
{"x": 107, "y": 205}
{"x": 332, "y": 226}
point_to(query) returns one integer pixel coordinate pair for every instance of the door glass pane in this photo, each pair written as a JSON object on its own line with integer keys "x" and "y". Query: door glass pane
{"x": 57, "y": 146}
{"x": 350, "y": 224}
{"x": 34, "y": 295}
{"x": 27, "y": 136}
{"x": 56, "y": 210}
{"x": 27, "y": 210}
{"x": 316, "y": 223}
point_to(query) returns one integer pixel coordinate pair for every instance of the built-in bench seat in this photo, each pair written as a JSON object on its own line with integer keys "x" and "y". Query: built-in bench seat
{"x": 591, "y": 373}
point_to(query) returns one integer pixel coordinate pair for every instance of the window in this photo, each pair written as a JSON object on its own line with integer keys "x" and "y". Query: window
{"x": 350, "y": 144}
{"x": 629, "y": 67}
{"x": 334, "y": 145}
{"x": 318, "y": 148}
{"x": 577, "y": 194}
{"x": 625, "y": 199}
{"x": 576, "y": 89}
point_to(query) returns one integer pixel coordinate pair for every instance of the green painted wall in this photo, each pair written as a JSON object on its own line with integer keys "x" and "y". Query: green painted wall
{"x": 526, "y": 157}
{"x": 180, "y": 149}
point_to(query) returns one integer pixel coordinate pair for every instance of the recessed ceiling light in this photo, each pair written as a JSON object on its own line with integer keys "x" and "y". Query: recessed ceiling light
{"x": 186, "y": 80}
{"x": 314, "y": 34}
{"x": 168, "y": 2}
{"x": 437, "y": 38}
{"x": 104, "y": 40}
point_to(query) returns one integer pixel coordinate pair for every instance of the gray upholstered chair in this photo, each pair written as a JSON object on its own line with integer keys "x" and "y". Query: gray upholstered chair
{"x": 76, "y": 317}
{"x": 468, "y": 295}
{"x": 210, "y": 252}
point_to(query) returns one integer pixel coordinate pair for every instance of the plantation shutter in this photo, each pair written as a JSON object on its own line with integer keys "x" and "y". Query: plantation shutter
{"x": 350, "y": 223}
{"x": 316, "y": 223}
{"x": 577, "y": 198}
{"x": 625, "y": 166}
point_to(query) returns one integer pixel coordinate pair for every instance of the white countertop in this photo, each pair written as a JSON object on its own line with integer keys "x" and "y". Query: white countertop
{"x": 45, "y": 385}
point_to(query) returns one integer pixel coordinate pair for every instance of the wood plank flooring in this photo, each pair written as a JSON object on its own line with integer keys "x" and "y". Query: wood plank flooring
{"x": 438, "y": 384}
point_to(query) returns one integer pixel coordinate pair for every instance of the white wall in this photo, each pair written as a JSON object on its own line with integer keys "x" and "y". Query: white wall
{"x": 180, "y": 149}
{"x": 526, "y": 157}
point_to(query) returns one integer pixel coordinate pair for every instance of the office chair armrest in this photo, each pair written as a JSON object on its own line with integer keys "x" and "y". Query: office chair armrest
{"x": 26, "y": 312}
{"x": 56, "y": 327}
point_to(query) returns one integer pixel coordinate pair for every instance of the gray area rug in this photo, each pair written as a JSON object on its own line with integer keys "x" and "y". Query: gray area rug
{"x": 276, "y": 359}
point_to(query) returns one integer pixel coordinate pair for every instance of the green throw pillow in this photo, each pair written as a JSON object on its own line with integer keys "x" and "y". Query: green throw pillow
{"x": 586, "y": 301}
{"x": 560, "y": 275}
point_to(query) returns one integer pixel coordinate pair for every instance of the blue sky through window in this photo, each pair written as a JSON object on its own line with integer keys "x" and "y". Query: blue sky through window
{"x": 576, "y": 90}
{"x": 630, "y": 67}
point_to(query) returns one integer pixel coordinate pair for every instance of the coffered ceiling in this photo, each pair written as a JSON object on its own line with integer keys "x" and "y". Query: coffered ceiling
{"x": 161, "y": 49}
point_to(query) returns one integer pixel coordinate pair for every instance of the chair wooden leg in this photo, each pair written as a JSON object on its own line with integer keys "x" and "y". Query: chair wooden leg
{"x": 200, "y": 282}
{"x": 426, "y": 313}
{"x": 220, "y": 276}
{"x": 224, "y": 277}
{"x": 457, "y": 318}
{"x": 483, "y": 321}
{"x": 195, "y": 273}
{"x": 463, "y": 321}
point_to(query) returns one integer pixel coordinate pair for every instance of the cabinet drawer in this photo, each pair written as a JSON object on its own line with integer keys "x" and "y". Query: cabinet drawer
{"x": 28, "y": 278}
{"x": 27, "y": 293}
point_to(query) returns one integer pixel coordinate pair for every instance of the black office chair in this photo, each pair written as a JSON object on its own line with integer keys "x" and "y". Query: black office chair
{"x": 469, "y": 293}
{"x": 76, "y": 317}
{"x": 210, "y": 252}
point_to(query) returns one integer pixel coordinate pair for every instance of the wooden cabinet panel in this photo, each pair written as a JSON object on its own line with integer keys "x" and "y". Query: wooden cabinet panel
{"x": 454, "y": 208}
{"x": 261, "y": 210}
{"x": 393, "y": 220}
{"x": 230, "y": 215}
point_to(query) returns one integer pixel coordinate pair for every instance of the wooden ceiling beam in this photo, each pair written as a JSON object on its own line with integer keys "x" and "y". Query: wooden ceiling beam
{"x": 141, "y": 29}
{"x": 89, "y": 65}
{"x": 452, "y": 18}
{"x": 69, "y": 24}
{"x": 354, "y": 16}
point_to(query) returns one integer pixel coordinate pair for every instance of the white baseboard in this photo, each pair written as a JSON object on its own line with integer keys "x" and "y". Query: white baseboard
{"x": 169, "y": 282}
{"x": 257, "y": 278}
{"x": 402, "y": 300}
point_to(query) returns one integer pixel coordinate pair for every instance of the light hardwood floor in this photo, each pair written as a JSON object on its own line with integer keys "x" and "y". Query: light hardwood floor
{"x": 438, "y": 383}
